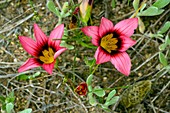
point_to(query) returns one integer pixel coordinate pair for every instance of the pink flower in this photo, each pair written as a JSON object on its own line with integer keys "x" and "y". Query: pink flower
{"x": 112, "y": 42}
{"x": 44, "y": 50}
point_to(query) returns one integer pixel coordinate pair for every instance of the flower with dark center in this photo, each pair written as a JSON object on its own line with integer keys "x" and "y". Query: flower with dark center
{"x": 113, "y": 41}
{"x": 81, "y": 89}
{"x": 44, "y": 50}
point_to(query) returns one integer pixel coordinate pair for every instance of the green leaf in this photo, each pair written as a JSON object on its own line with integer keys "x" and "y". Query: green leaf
{"x": 29, "y": 110}
{"x": 34, "y": 75}
{"x": 88, "y": 62}
{"x": 22, "y": 77}
{"x": 161, "y": 3}
{"x": 110, "y": 95}
{"x": 112, "y": 101}
{"x": 2, "y": 99}
{"x": 167, "y": 67}
{"x": 165, "y": 28}
{"x": 163, "y": 59}
{"x": 87, "y": 45}
{"x": 92, "y": 100}
{"x": 143, "y": 7}
{"x": 106, "y": 108}
{"x": 90, "y": 88}
{"x": 85, "y": 15}
{"x": 89, "y": 80}
{"x": 113, "y": 4}
{"x": 136, "y": 4}
{"x": 151, "y": 11}
{"x": 167, "y": 40}
{"x": 155, "y": 35}
{"x": 99, "y": 91}
{"x": 51, "y": 6}
{"x": 64, "y": 44}
{"x": 141, "y": 25}
{"x": 11, "y": 94}
{"x": 66, "y": 14}
{"x": 9, "y": 107}
{"x": 65, "y": 7}
{"x": 162, "y": 47}
{"x": 4, "y": 107}
{"x": 10, "y": 99}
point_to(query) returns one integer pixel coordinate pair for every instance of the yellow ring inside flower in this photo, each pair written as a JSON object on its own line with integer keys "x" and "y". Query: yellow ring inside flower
{"x": 109, "y": 43}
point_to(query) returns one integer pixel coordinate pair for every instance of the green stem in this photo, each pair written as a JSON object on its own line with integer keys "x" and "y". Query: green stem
{"x": 95, "y": 69}
{"x": 59, "y": 21}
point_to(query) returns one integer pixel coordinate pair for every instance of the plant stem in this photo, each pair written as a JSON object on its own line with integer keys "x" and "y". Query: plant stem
{"x": 95, "y": 69}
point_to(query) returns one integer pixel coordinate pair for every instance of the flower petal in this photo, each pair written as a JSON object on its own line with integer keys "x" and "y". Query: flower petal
{"x": 29, "y": 64}
{"x": 127, "y": 27}
{"x": 101, "y": 56}
{"x": 122, "y": 62}
{"x": 92, "y": 31}
{"x": 59, "y": 52}
{"x": 49, "y": 67}
{"x": 126, "y": 42}
{"x": 41, "y": 38}
{"x": 105, "y": 27}
{"x": 29, "y": 45}
{"x": 55, "y": 36}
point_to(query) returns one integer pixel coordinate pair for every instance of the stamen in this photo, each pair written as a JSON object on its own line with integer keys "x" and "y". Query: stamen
{"x": 109, "y": 43}
{"x": 48, "y": 56}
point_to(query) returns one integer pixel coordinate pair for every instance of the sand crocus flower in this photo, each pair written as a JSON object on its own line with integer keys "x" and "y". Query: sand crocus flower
{"x": 44, "y": 50}
{"x": 112, "y": 42}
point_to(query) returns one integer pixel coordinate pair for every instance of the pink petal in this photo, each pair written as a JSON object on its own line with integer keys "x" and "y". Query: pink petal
{"x": 55, "y": 36}
{"x": 126, "y": 43}
{"x": 92, "y": 31}
{"x": 101, "y": 56}
{"x": 41, "y": 38}
{"x": 122, "y": 62}
{"x": 49, "y": 67}
{"x": 127, "y": 27}
{"x": 29, "y": 45}
{"x": 59, "y": 52}
{"x": 105, "y": 27}
{"x": 29, "y": 64}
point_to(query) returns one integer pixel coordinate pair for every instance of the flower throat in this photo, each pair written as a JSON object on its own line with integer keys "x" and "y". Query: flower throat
{"x": 109, "y": 43}
{"x": 48, "y": 56}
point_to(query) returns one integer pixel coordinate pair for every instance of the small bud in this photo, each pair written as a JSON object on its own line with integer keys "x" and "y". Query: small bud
{"x": 81, "y": 89}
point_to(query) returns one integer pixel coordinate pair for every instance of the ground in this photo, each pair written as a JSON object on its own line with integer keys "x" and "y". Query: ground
{"x": 48, "y": 93}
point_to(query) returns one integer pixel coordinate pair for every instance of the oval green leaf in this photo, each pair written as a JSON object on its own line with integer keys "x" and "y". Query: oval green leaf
{"x": 89, "y": 80}
{"x": 112, "y": 101}
{"x": 161, "y": 3}
{"x": 99, "y": 91}
{"x": 9, "y": 107}
{"x": 92, "y": 100}
{"x": 163, "y": 59}
{"x": 110, "y": 95}
{"x": 136, "y": 4}
{"x": 151, "y": 11}
{"x": 165, "y": 28}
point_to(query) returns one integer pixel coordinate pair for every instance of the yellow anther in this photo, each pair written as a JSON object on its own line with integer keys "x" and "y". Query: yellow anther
{"x": 48, "y": 56}
{"x": 109, "y": 43}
